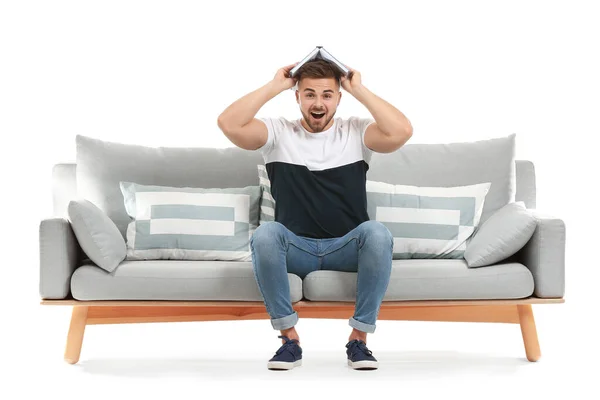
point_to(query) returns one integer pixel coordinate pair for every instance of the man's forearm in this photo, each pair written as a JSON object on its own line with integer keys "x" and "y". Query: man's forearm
{"x": 243, "y": 110}
{"x": 389, "y": 119}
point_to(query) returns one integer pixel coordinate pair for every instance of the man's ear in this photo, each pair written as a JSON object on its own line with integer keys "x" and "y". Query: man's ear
{"x": 297, "y": 98}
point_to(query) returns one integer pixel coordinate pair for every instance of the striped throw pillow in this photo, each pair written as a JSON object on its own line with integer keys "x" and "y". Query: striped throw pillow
{"x": 427, "y": 222}
{"x": 267, "y": 202}
{"x": 183, "y": 223}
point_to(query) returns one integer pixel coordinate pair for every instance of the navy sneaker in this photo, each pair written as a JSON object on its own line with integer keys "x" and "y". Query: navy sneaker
{"x": 288, "y": 356}
{"x": 359, "y": 357}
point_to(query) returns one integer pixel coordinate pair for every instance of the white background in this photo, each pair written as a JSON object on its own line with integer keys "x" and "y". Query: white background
{"x": 159, "y": 74}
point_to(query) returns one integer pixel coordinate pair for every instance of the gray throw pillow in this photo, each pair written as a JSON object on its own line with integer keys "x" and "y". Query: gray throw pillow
{"x": 97, "y": 234}
{"x": 501, "y": 236}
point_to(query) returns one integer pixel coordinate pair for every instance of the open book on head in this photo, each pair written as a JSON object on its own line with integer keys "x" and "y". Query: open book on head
{"x": 320, "y": 53}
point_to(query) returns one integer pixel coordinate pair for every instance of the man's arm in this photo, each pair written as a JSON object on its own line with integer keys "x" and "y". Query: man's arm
{"x": 237, "y": 121}
{"x": 391, "y": 129}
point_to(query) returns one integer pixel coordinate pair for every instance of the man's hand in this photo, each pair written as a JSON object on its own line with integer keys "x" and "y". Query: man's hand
{"x": 352, "y": 82}
{"x": 282, "y": 78}
{"x": 391, "y": 129}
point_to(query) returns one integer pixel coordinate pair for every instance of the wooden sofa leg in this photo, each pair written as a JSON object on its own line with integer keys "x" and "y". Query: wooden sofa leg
{"x": 530, "y": 337}
{"x": 75, "y": 336}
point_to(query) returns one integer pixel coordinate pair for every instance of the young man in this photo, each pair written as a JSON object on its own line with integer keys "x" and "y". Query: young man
{"x": 317, "y": 167}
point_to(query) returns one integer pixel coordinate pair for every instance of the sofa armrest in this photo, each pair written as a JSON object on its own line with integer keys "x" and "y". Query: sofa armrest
{"x": 544, "y": 256}
{"x": 60, "y": 254}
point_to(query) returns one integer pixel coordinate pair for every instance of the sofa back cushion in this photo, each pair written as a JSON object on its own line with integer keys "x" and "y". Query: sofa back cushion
{"x": 172, "y": 223}
{"x": 453, "y": 164}
{"x": 64, "y": 185}
{"x": 101, "y": 165}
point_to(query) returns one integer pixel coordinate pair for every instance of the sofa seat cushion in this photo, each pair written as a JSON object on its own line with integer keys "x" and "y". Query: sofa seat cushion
{"x": 173, "y": 280}
{"x": 429, "y": 279}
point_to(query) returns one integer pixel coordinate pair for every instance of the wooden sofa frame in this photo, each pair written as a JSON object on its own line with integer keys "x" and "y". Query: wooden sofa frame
{"x": 85, "y": 313}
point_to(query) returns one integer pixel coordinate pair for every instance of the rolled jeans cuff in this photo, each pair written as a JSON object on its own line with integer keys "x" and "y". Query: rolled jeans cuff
{"x": 361, "y": 326}
{"x": 283, "y": 323}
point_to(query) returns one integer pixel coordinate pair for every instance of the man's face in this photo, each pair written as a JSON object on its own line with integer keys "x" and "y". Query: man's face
{"x": 318, "y": 97}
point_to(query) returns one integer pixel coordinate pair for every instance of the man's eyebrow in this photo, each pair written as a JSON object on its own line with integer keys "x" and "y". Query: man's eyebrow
{"x": 324, "y": 91}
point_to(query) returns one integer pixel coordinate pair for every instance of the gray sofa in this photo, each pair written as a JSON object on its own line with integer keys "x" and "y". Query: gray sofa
{"x": 190, "y": 290}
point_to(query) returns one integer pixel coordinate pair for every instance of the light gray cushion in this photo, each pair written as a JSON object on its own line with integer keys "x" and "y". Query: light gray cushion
{"x": 183, "y": 223}
{"x": 501, "y": 236}
{"x": 174, "y": 280}
{"x": 427, "y": 222}
{"x": 428, "y": 280}
{"x": 101, "y": 165}
{"x": 453, "y": 164}
{"x": 97, "y": 235}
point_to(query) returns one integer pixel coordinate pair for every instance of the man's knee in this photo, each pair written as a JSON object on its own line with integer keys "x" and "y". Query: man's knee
{"x": 267, "y": 233}
{"x": 377, "y": 230}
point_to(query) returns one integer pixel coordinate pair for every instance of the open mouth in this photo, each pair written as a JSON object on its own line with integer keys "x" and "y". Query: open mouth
{"x": 317, "y": 115}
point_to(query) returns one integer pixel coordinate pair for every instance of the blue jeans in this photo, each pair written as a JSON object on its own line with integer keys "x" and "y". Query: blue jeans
{"x": 367, "y": 249}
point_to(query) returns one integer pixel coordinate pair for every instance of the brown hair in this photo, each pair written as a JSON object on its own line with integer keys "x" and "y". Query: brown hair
{"x": 319, "y": 69}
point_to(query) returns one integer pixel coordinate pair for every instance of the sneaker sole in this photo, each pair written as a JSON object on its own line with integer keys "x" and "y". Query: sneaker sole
{"x": 363, "y": 364}
{"x": 282, "y": 365}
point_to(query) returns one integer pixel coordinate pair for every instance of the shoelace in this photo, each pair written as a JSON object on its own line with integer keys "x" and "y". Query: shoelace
{"x": 286, "y": 346}
{"x": 363, "y": 347}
